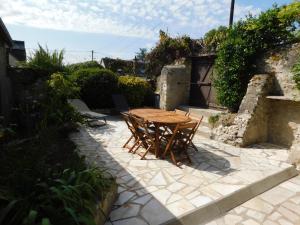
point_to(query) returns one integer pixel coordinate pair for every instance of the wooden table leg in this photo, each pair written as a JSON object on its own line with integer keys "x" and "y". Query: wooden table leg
{"x": 157, "y": 147}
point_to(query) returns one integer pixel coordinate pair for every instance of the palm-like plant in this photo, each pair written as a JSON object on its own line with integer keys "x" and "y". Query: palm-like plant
{"x": 44, "y": 60}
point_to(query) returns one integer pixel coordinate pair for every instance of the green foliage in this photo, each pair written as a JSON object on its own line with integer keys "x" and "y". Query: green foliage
{"x": 214, "y": 38}
{"x": 212, "y": 120}
{"x": 236, "y": 55}
{"x": 134, "y": 89}
{"x": 83, "y": 65}
{"x": 166, "y": 51}
{"x": 44, "y": 181}
{"x": 55, "y": 108}
{"x": 97, "y": 86}
{"x": 296, "y": 72}
{"x": 46, "y": 62}
{"x": 233, "y": 72}
{"x": 115, "y": 65}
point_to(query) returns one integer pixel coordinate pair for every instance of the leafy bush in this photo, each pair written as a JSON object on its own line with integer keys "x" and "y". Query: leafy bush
{"x": 97, "y": 86}
{"x": 55, "y": 108}
{"x": 46, "y": 62}
{"x": 166, "y": 51}
{"x": 214, "y": 38}
{"x": 296, "y": 72}
{"x": 44, "y": 181}
{"x": 83, "y": 65}
{"x": 245, "y": 40}
{"x": 135, "y": 89}
{"x": 233, "y": 72}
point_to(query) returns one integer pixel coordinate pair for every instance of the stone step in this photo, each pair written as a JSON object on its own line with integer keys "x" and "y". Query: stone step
{"x": 220, "y": 206}
{"x": 200, "y": 111}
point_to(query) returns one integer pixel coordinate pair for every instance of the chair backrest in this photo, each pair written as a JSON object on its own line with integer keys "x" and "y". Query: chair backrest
{"x": 196, "y": 118}
{"x": 120, "y": 103}
{"x": 128, "y": 120}
{"x": 181, "y": 112}
{"x": 182, "y": 133}
{"x": 186, "y": 128}
{"x": 141, "y": 127}
{"x": 79, "y": 105}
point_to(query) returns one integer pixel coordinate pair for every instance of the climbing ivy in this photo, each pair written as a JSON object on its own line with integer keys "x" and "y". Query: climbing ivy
{"x": 243, "y": 42}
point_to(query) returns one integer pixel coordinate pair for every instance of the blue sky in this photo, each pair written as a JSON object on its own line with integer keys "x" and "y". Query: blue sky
{"x": 115, "y": 28}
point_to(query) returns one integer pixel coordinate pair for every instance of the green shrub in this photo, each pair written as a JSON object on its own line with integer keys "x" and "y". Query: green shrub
{"x": 232, "y": 72}
{"x": 44, "y": 61}
{"x": 55, "y": 108}
{"x": 166, "y": 51}
{"x": 83, "y": 65}
{"x": 134, "y": 89}
{"x": 296, "y": 72}
{"x": 214, "y": 38}
{"x": 97, "y": 86}
{"x": 44, "y": 179}
{"x": 236, "y": 55}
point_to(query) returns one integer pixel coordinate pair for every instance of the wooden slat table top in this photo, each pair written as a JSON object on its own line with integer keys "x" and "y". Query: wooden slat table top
{"x": 160, "y": 116}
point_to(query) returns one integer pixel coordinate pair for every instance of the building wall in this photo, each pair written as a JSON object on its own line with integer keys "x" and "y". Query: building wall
{"x": 5, "y": 84}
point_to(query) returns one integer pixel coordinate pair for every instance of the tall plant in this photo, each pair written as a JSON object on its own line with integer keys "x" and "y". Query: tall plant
{"x": 236, "y": 55}
{"x": 46, "y": 61}
{"x": 166, "y": 51}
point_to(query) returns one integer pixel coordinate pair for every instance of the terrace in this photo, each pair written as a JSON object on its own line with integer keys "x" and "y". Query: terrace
{"x": 155, "y": 191}
{"x": 61, "y": 133}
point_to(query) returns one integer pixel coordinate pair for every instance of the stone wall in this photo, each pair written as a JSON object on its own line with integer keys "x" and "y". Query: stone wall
{"x": 284, "y": 126}
{"x": 279, "y": 63}
{"x": 270, "y": 110}
{"x": 173, "y": 86}
{"x": 251, "y": 122}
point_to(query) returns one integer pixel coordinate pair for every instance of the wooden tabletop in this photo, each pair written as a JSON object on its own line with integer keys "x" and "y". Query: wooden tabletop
{"x": 160, "y": 116}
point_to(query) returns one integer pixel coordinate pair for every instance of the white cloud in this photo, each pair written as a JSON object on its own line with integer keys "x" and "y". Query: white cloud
{"x": 133, "y": 18}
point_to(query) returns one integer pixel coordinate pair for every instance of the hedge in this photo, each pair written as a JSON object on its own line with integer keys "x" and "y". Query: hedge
{"x": 135, "y": 89}
{"x": 97, "y": 86}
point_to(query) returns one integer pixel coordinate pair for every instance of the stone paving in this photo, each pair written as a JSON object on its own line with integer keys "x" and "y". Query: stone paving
{"x": 154, "y": 191}
{"x": 278, "y": 206}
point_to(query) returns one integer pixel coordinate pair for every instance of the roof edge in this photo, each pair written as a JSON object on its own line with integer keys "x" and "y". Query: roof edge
{"x": 5, "y": 33}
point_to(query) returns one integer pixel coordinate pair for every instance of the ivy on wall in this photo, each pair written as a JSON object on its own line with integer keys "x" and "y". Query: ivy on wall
{"x": 167, "y": 50}
{"x": 243, "y": 42}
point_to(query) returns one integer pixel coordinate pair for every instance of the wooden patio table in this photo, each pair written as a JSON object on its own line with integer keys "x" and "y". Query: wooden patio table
{"x": 159, "y": 117}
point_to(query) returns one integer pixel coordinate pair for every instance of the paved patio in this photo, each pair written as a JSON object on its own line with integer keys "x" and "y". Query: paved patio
{"x": 154, "y": 191}
{"x": 278, "y": 206}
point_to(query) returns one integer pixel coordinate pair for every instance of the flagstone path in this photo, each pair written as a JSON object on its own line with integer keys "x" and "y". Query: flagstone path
{"x": 154, "y": 191}
{"x": 278, "y": 206}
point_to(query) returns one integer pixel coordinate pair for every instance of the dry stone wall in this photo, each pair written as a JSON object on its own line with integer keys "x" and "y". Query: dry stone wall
{"x": 251, "y": 123}
{"x": 173, "y": 86}
{"x": 270, "y": 110}
{"x": 279, "y": 63}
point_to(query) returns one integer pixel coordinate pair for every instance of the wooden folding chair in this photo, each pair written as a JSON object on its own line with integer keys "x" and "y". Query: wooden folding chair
{"x": 195, "y": 118}
{"x": 146, "y": 137}
{"x": 128, "y": 120}
{"x": 180, "y": 140}
{"x": 167, "y": 129}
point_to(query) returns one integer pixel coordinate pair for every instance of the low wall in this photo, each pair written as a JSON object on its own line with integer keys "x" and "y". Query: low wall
{"x": 284, "y": 117}
{"x": 279, "y": 63}
{"x": 251, "y": 122}
{"x": 173, "y": 86}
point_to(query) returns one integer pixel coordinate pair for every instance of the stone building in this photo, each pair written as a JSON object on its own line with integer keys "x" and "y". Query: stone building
{"x": 5, "y": 84}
